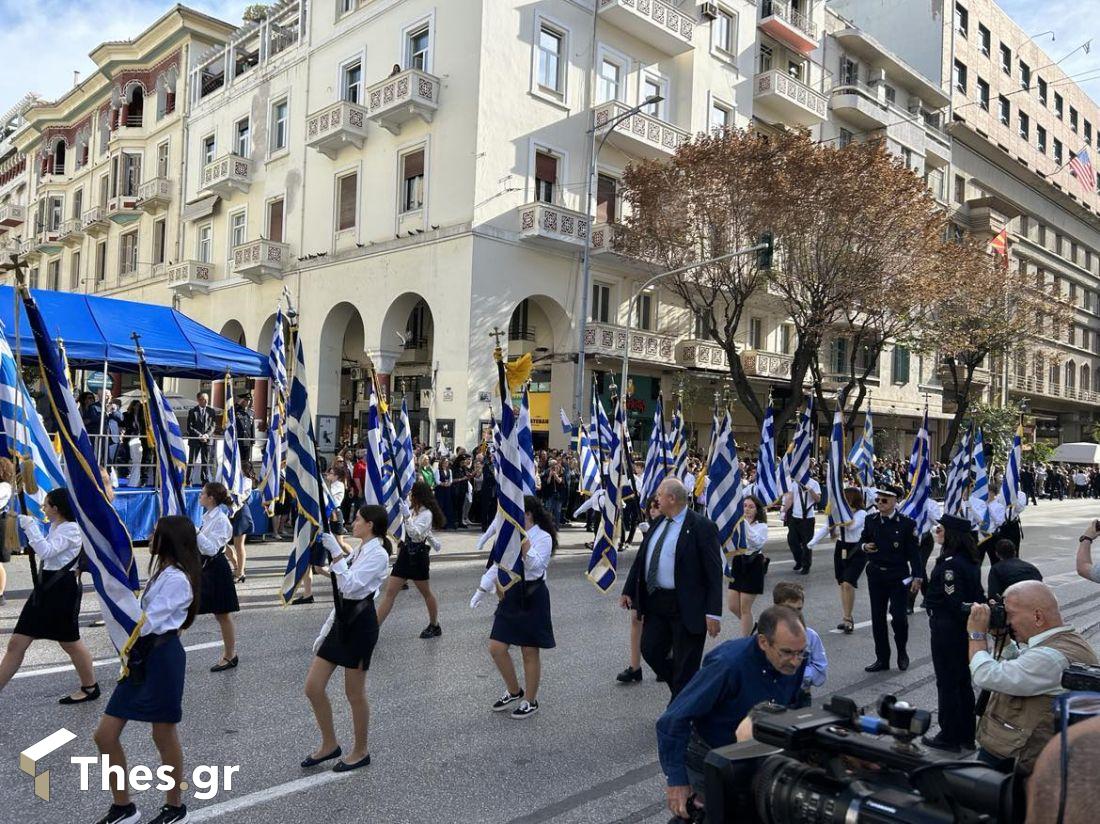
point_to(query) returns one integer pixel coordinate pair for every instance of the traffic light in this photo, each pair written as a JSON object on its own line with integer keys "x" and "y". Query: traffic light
{"x": 764, "y": 255}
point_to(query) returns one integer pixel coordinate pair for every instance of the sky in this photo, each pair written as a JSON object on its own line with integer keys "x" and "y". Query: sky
{"x": 1073, "y": 23}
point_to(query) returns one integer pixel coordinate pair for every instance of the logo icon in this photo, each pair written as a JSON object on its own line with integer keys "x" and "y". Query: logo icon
{"x": 29, "y": 758}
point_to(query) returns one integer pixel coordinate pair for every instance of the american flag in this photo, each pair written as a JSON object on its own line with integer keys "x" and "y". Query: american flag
{"x": 1081, "y": 167}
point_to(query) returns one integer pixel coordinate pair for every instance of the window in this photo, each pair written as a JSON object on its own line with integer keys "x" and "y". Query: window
{"x": 78, "y": 203}
{"x": 53, "y": 274}
{"x": 844, "y": 139}
{"x": 127, "y": 253}
{"x": 130, "y": 178}
{"x": 104, "y": 187}
{"x": 208, "y": 149}
{"x": 643, "y": 312}
{"x": 983, "y": 39}
{"x": 1006, "y": 59}
{"x": 962, "y": 19}
{"x": 417, "y": 44}
{"x": 786, "y": 338}
{"x": 765, "y": 58}
{"x": 983, "y": 94}
{"x": 162, "y": 159}
{"x": 279, "y": 125}
{"x": 1088, "y": 132}
{"x": 1073, "y": 119}
{"x": 242, "y": 141}
{"x": 159, "y": 236}
{"x": 797, "y": 70}
{"x": 721, "y": 116}
{"x": 907, "y": 157}
{"x": 351, "y": 81}
{"x": 546, "y": 177}
{"x": 549, "y": 70}
{"x": 960, "y": 189}
{"x": 238, "y": 230}
{"x": 1024, "y": 123}
{"x": 275, "y": 210}
{"x": 600, "y": 310}
{"x": 1040, "y": 138}
{"x": 1058, "y": 105}
{"x": 960, "y": 76}
{"x": 723, "y": 32}
{"x": 756, "y": 333}
{"x": 347, "y": 6}
{"x": 849, "y": 71}
{"x": 891, "y": 95}
{"x": 899, "y": 367}
{"x": 206, "y": 243}
{"x": 1004, "y": 110}
{"x": 1058, "y": 151}
{"x": 347, "y": 189}
{"x": 654, "y": 87}
{"x": 54, "y": 206}
{"x": 1042, "y": 84}
{"x": 74, "y": 272}
{"x": 606, "y": 199}
{"x": 609, "y": 80}
{"x": 1025, "y": 75}
{"x": 412, "y": 181}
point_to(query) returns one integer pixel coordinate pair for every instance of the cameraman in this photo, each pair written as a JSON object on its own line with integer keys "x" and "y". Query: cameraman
{"x": 735, "y": 677}
{"x": 1085, "y": 567}
{"x": 1019, "y": 718}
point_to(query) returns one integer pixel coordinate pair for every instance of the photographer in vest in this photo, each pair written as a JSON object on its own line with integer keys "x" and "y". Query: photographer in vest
{"x": 1019, "y": 718}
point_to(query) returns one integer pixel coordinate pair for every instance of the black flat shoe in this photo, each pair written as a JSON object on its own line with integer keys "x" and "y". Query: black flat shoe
{"x": 343, "y": 766}
{"x": 432, "y": 631}
{"x": 903, "y": 662}
{"x": 313, "y": 762}
{"x": 90, "y": 694}
{"x": 223, "y": 665}
{"x": 937, "y": 742}
{"x": 629, "y": 676}
{"x": 804, "y": 571}
{"x": 303, "y": 599}
{"x": 878, "y": 666}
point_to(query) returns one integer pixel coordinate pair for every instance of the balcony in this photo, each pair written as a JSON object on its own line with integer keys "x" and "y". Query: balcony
{"x": 335, "y": 127}
{"x": 655, "y": 22}
{"x": 861, "y": 106}
{"x": 642, "y": 135}
{"x": 28, "y": 249}
{"x": 988, "y": 216}
{"x": 228, "y": 174}
{"x": 8, "y": 246}
{"x": 605, "y": 339}
{"x": 48, "y": 242}
{"x": 603, "y": 239}
{"x": 791, "y": 28}
{"x": 982, "y": 377}
{"x": 123, "y": 209}
{"x": 769, "y": 365}
{"x": 12, "y": 215}
{"x": 154, "y": 195}
{"x": 95, "y": 221}
{"x": 1030, "y": 385}
{"x": 260, "y": 260}
{"x": 788, "y": 99}
{"x": 401, "y": 97}
{"x": 553, "y": 225}
{"x": 72, "y": 232}
{"x": 702, "y": 354}
{"x": 190, "y": 277}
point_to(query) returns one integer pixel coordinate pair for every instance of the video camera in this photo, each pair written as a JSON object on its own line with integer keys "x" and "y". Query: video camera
{"x": 836, "y": 764}
{"x": 998, "y": 617}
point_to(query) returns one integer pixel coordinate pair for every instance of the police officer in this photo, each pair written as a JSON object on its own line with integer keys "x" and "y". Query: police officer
{"x": 955, "y": 580}
{"x": 893, "y": 555}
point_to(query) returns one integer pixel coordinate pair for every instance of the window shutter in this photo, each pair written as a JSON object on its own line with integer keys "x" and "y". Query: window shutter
{"x": 901, "y": 364}
{"x": 605, "y": 199}
{"x": 546, "y": 167}
{"x": 414, "y": 164}
{"x": 347, "y": 201}
{"x": 275, "y": 221}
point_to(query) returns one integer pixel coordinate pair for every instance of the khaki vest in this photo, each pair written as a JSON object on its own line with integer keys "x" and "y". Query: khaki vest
{"x": 1019, "y": 727}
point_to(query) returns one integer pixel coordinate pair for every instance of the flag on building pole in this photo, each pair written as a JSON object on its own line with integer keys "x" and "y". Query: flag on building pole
{"x": 838, "y": 510}
{"x": 767, "y": 474}
{"x": 381, "y": 484}
{"x": 302, "y": 482}
{"x": 510, "y": 505}
{"x": 526, "y": 445}
{"x": 106, "y": 541}
{"x": 656, "y": 459}
{"x": 1080, "y": 166}
{"x": 603, "y": 562}
{"x": 168, "y": 446}
{"x": 915, "y": 505}
{"x": 1010, "y": 484}
{"x": 999, "y": 245}
{"x": 862, "y": 455}
{"x": 958, "y": 476}
{"x": 980, "y": 489}
{"x": 725, "y": 495}
{"x": 404, "y": 458}
{"x": 275, "y": 446}
{"x": 229, "y": 469}
{"x": 590, "y": 466}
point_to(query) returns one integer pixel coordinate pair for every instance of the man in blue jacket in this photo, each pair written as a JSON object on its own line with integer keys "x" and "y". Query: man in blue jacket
{"x": 734, "y": 678}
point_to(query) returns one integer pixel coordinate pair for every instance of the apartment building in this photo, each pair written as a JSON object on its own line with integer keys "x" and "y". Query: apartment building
{"x": 14, "y": 179}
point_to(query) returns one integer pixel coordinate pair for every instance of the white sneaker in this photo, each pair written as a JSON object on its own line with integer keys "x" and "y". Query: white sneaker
{"x": 526, "y": 709}
{"x": 507, "y": 700}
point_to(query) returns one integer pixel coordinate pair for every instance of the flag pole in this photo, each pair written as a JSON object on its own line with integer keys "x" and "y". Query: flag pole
{"x": 22, "y": 477}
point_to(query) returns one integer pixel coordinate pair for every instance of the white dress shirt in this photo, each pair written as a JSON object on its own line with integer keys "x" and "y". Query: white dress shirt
{"x": 215, "y": 531}
{"x": 59, "y": 547}
{"x": 165, "y": 601}
{"x": 797, "y": 494}
{"x": 849, "y": 534}
{"x": 667, "y": 534}
{"x": 1024, "y": 669}
{"x": 361, "y": 573}
{"x": 5, "y": 494}
{"x": 337, "y": 491}
{"x": 757, "y": 535}
{"x": 534, "y": 565}
{"x": 418, "y": 528}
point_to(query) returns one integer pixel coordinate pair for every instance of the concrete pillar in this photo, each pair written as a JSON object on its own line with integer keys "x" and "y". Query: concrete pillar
{"x": 260, "y": 392}
{"x": 384, "y": 361}
{"x": 124, "y": 113}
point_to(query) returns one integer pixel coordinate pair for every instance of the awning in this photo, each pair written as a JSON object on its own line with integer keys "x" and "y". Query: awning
{"x": 200, "y": 208}
{"x": 97, "y": 329}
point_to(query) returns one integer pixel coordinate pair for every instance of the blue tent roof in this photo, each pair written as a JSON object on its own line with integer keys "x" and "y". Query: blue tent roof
{"x": 97, "y": 329}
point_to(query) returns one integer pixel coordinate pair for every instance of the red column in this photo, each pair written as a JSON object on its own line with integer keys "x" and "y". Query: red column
{"x": 384, "y": 383}
{"x": 260, "y": 391}
{"x": 124, "y": 113}
{"x": 49, "y": 164}
{"x": 45, "y": 165}
{"x": 217, "y": 393}
{"x": 114, "y": 119}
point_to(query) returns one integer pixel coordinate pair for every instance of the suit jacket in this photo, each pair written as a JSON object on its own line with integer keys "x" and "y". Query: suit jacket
{"x": 698, "y": 572}
{"x": 200, "y": 421}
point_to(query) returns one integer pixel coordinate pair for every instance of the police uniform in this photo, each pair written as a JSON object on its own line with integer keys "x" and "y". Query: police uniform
{"x": 896, "y": 558}
{"x": 955, "y": 580}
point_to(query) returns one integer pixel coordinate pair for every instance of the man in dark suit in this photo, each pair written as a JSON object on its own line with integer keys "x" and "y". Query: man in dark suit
{"x": 675, "y": 584}
{"x": 200, "y": 431}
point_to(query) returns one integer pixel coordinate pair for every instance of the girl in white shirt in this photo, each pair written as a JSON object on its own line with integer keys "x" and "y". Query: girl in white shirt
{"x": 412, "y": 562}
{"x": 53, "y": 607}
{"x": 523, "y": 614}
{"x": 849, "y": 558}
{"x": 218, "y": 594}
{"x": 152, "y": 690}
{"x": 747, "y": 569}
{"x": 348, "y": 640}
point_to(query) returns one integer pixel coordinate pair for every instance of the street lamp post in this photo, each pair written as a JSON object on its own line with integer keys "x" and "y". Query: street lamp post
{"x": 586, "y": 260}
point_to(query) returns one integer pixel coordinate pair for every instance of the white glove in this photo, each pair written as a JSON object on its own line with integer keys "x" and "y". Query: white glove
{"x": 29, "y": 525}
{"x": 331, "y": 545}
{"x": 479, "y": 596}
{"x": 405, "y": 508}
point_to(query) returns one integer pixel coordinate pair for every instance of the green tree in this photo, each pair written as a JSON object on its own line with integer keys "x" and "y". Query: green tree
{"x": 998, "y": 424}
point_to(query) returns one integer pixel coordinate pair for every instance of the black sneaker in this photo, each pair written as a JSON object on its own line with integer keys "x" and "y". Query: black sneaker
{"x": 507, "y": 700}
{"x": 629, "y": 675}
{"x": 432, "y": 631}
{"x": 303, "y": 599}
{"x": 938, "y": 742}
{"x": 121, "y": 814}
{"x": 526, "y": 709}
{"x": 171, "y": 815}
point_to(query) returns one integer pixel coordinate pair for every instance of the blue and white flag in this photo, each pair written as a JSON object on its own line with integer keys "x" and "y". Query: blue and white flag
{"x": 958, "y": 477}
{"x": 302, "y": 482}
{"x": 275, "y": 446}
{"x": 980, "y": 490}
{"x": 590, "y": 465}
{"x": 229, "y": 469}
{"x": 526, "y": 445}
{"x": 403, "y": 456}
{"x": 381, "y": 482}
{"x": 168, "y": 447}
{"x": 837, "y": 509}
{"x": 566, "y": 424}
{"x": 603, "y": 563}
{"x": 1010, "y": 484}
{"x": 862, "y": 456}
{"x": 915, "y": 505}
{"x": 767, "y": 473}
{"x": 106, "y": 541}
{"x": 505, "y": 553}
{"x": 678, "y": 445}
{"x": 22, "y": 432}
{"x": 601, "y": 431}
{"x": 798, "y": 455}
{"x": 656, "y": 459}
{"x": 726, "y": 495}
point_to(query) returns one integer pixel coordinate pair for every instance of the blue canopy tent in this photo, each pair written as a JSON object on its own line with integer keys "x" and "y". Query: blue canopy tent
{"x": 96, "y": 331}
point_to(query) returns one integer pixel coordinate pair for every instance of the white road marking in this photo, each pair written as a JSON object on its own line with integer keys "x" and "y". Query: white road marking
{"x": 263, "y": 796}
{"x": 105, "y": 662}
{"x": 864, "y": 624}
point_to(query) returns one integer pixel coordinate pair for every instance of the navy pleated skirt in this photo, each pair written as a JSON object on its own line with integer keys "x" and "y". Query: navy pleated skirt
{"x": 159, "y": 698}
{"x": 523, "y": 616}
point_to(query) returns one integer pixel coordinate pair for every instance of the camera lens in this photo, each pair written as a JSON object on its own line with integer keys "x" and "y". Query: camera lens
{"x": 790, "y": 792}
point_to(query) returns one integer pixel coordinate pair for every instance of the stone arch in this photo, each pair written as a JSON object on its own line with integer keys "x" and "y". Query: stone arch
{"x": 1086, "y": 375}
{"x": 341, "y": 360}
{"x": 539, "y": 324}
{"x": 234, "y": 331}
{"x": 1070, "y": 375}
{"x": 409, "y": 328}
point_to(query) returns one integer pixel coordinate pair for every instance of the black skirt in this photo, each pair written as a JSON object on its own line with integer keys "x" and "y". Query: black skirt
{"x": 156, "y": 698}
{"x": 412, "y": 562}
{"x": 51, "y": 612}
{"x": 352, "y": 646}
{"x": 848, "y": 563}
{"x": 523, "y": 616}
{"x": 747, "y": 573}
{"x": 218, "y": 594}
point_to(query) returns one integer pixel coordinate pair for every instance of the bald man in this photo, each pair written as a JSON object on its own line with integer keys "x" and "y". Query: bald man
{"x": 1044, "y": 788}
{"x": 1019, "y": 719}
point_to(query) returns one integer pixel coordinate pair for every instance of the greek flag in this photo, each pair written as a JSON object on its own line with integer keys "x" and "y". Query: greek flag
{"x": 22, "y": 432}
{"x": 656, "y": 459}
{"x": 981, "y": 479}
{"x": 1010, "y": 484}
{"x": 381, "y": 487}
{"x": 601, "y": 426}
{"x": 526, "y": 445}
{"x": 229, "y": 470}
{"x": 106, "y": 541}
{"x": 275, "y": 446}
{"x": 767, "y": 473}
{"x": 798, "y": 455}
{"x": 920, "y": 480}
{"x": 678, "y": 447}
{"x": 958, "y": 477}
{"x": 302, "y": 482}
{"x": 566, "y": 424}
{"x": 505, "y": 553}
{"x": 403, "y": 458}
{"x": 590, "y": 467}
{"x": 725, "y": 495}
{"x": 701, "y": 478}
{"x": 862, "y": 456}
{"x": 838, "y": 510}
{"x": 167, "y": 443}
{"x": 604, "y": 560}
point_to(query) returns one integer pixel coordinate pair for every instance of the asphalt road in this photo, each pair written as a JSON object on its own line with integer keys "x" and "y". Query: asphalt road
{"x": 438, "y": 754}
